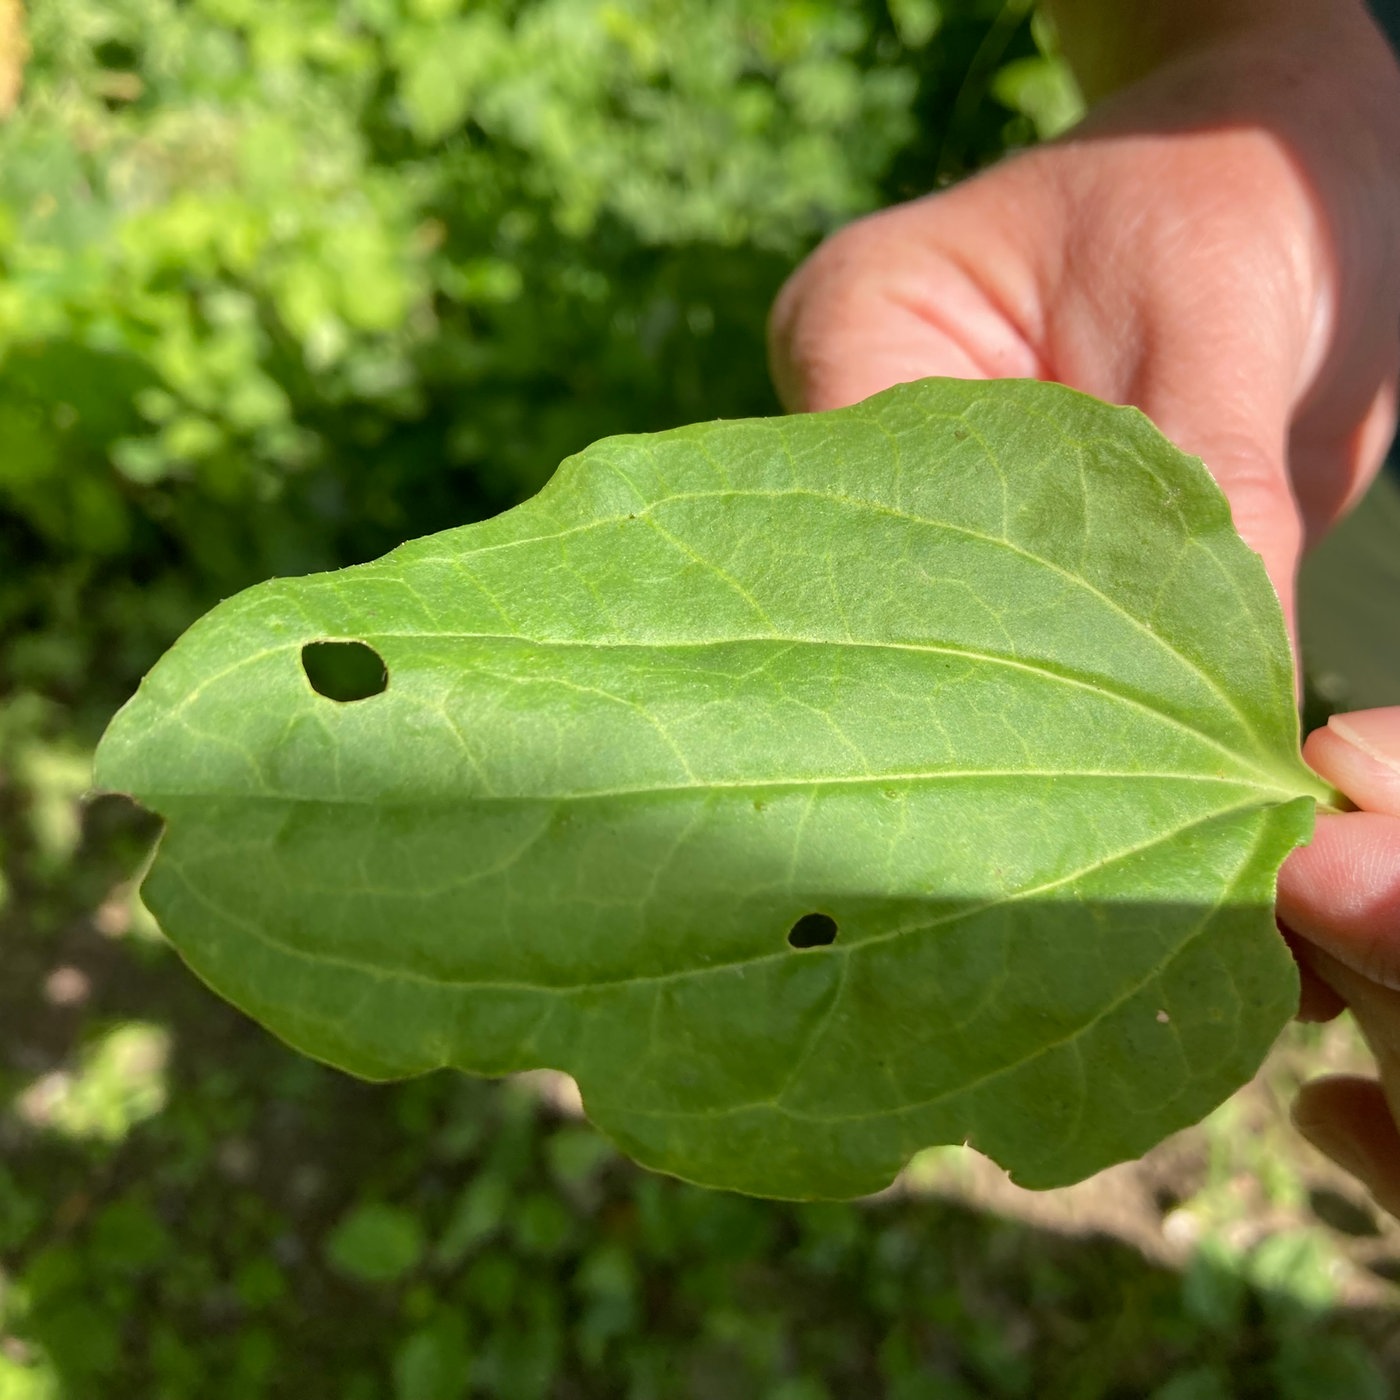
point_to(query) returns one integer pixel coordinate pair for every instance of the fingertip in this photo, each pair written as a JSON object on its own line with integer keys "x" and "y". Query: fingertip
{"x": 1360, "y": 754}
{"x": 1316, "y": 1000}
{"x": 1346, "y": 1117}
{"x": 1323, "y": 1107}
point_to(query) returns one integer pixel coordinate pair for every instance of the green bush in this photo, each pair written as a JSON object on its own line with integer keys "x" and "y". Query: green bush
{"x": 281, "y": 285}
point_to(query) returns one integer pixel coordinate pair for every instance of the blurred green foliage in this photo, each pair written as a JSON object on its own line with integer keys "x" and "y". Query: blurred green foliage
{"x": 280, "y": 1231}
{"x": 281, "y": 285}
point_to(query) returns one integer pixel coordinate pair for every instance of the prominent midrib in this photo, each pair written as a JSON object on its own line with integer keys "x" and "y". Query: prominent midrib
{"x": 1263, "y": 795}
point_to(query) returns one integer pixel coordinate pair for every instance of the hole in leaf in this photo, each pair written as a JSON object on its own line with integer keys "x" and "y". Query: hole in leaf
{"x": 344, "y": 671}
{"x": 813, "y": 931}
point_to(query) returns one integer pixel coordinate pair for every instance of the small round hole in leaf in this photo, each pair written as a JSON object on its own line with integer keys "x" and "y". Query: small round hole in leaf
{"x": 813, "y": 931}
{"x": 344, "y": 671}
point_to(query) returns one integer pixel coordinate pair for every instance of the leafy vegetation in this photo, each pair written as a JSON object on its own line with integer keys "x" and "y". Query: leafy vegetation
{"x": 286, "y": 285}
{"x": 978, "y": 678}
{"x": 274, "y": 297}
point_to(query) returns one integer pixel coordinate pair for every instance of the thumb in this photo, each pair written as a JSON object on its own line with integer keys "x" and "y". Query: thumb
{"x": 883, "y": 302}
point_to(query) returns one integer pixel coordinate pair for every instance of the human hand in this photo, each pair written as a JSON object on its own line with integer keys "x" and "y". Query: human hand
{"x": 1342, "y": 894}
{"x": 1218, "y": 244}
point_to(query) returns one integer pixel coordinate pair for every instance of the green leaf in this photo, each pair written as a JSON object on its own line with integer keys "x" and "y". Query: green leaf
{"x": 979, "y": 675}
{"x": 432, "y": 1363}
{"x": 376, "y": 1243}
{"x": 1042, "y": 88}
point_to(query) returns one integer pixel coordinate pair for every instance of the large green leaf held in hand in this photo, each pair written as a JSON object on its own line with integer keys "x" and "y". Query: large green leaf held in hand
{"x": 812, "y": 789}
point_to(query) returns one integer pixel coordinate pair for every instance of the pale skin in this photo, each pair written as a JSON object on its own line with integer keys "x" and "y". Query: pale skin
{"x": 1218, "y": 243}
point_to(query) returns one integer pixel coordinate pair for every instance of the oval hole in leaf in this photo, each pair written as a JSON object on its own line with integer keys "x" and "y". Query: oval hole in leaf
{"x": 344, "y": 671}
{"x": 813, "y": 931}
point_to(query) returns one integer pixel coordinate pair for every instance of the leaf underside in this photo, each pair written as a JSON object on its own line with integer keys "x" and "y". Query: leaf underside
{"x": 812, "y": 789}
